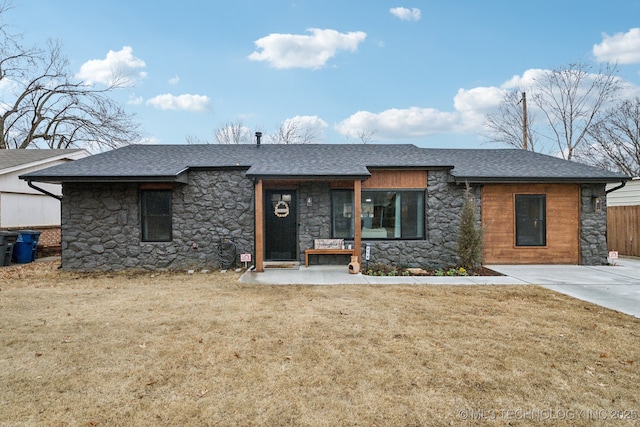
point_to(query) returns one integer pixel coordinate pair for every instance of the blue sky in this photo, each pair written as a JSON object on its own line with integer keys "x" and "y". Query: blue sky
{"x": 422, "y": 72}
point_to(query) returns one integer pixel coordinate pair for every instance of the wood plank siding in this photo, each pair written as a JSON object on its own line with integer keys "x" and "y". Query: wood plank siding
{"x": 623, "y": 229}
{"x": 562, "y": 220}
{"x": 396, "y": 179}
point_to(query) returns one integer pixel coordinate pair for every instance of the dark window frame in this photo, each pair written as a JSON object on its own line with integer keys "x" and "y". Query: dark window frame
{"x": 530, "y": 226}
{"x": 148, "y": 234}
{"x": 421, "y": 214}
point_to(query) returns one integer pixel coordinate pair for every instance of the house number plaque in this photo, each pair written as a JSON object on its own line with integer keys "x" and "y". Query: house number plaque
{"x": 281, "y": 209}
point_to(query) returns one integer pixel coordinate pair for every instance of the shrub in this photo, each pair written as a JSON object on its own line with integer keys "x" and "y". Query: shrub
{"x": 470, "y": 238}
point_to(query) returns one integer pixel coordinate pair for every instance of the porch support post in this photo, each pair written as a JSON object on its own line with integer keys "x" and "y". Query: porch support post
{"x": 259, "y": 232}
{"x": 357, "y": 219}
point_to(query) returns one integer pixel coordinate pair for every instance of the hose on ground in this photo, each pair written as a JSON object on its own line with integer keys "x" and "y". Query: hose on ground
{"x": 227, "y": 253}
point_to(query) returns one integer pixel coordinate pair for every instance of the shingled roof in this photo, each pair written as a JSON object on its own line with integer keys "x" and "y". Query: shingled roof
{"x": 16, "y": 159}
{"x": 138, "y": 163}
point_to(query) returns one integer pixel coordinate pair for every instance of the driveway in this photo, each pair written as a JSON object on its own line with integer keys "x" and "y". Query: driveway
{"x": 615, "y": 286}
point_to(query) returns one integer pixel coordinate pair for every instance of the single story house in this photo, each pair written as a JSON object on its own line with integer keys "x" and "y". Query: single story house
{"x": 171, "y": 206}
{"x": 23, "y": 207}
{"x": 623, "y": 219}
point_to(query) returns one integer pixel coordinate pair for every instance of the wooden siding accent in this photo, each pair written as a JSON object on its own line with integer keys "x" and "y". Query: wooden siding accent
{"x": 396, "y": 179}
{"x": 342, "y": 185}
{"x": 357, "y": 220}
{"x": 259, "y": 231}
{"x": 156, "y": 186}
{"x": 623, "y": 229}
{"x": 562, "y": 220}
{"x": 275, "y": 184}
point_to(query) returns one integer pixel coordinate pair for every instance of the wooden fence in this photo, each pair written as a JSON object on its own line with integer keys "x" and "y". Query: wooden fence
{"x": 623, "y": 230}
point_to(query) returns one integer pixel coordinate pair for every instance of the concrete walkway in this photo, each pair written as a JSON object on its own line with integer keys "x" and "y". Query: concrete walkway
{"x": 613, "y": 286}
{"x": 616, "y": 287}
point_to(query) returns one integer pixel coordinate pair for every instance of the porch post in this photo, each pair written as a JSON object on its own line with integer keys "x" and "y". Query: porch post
{"x": 357, "y": 219}
{"x": 259, "y": 231}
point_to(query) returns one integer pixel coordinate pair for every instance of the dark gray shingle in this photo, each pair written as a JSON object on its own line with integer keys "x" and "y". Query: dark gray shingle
{"x": 13, "y": 158}
{"x": 168, "y": 162}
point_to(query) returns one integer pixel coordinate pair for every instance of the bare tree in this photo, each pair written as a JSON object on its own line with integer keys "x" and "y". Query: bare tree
{"x": 194, "y": 140}
{"x": 572, "y": 99}
{"x": 294, "y": 132}
{"x": 42, "y": 104}
{"x": 615, "y": 140}
{"x": 233, "y": 132}
{"x": 509, "y": 124}
{"x": 366, "y": 135}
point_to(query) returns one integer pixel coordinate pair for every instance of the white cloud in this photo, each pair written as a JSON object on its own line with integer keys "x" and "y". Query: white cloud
{"x": 623, "y": 48}
{"x": 174, "y": 80}
{"x": 472, "y": 105}
{"x": 527, "y": 79}
{"x": 308, "y": 121}
{"x": 307, "y": 126}
{"x": 397, "y": 123}
{"x": 406, "y": 14}
{"x": 468, "y": 116}
{"x": 135, "y": 100}
{"x": 184, "y": 102}
{"x": 120, "y": 65}
{"x": 305, "y": 51}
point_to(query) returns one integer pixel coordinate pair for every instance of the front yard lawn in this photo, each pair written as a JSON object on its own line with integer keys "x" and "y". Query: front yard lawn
{"x": 176, "y": 349}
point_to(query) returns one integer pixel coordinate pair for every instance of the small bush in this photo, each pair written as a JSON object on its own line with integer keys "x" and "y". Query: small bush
{"x": 470, "y": 238}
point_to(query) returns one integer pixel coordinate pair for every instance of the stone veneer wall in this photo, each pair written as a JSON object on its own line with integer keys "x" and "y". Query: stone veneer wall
{"x": 101, "y": 224}
{"x": 593, "y": 225}
{"x": 315, "y": 220}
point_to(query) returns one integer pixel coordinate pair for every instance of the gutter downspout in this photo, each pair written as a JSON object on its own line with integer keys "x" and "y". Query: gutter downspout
{"x": 616, "y": 188}
{"x": 43, "y": 191}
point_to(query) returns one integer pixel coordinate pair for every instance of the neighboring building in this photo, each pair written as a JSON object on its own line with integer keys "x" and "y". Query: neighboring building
{"x": 169, "y": 206}
{"x": 22, "y": 207}
{"x": 623, "y": 218}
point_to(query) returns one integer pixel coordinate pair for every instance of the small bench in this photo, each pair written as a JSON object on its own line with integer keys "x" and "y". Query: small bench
{"x": 336, "y": 251}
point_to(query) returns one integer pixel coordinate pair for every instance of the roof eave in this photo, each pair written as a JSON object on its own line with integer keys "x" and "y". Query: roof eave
{"x": 302, "y": 177}
{"x": 537, "y": 180}
{"x": 182, "y": 178}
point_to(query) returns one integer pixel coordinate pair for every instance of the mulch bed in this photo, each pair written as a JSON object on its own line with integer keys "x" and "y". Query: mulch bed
{"x": 384, "y": 270}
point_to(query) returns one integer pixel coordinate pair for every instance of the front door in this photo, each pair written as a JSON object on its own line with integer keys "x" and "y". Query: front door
{"x": 281, "y": 225}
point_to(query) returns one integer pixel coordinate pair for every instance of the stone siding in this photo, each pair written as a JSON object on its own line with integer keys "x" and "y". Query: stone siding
{"x": 593, "y": 225}
{"x": 101, "y": 224}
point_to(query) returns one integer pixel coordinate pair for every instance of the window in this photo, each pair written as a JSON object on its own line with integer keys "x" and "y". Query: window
{"x": 385, "y": 214}
{"x": 156, "y": 215}
{"x": 531, "y": 224}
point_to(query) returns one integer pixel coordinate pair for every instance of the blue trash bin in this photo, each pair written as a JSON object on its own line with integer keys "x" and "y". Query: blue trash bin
{"x": 7, "y": 241}
{"x": 24, "y": 250}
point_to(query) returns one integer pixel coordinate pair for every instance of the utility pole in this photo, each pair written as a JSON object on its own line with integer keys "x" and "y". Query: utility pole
{"x": 524, "y": 121}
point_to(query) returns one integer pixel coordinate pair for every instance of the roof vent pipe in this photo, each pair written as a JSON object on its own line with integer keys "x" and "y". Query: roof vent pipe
{"x": 258, "y": 136}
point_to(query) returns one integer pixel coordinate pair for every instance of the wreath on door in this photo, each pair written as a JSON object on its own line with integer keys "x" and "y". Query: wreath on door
{"x": 281, "y": 209}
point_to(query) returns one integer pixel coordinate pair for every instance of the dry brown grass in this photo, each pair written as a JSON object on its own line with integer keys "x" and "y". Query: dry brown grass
{"x": 178, "y": 349}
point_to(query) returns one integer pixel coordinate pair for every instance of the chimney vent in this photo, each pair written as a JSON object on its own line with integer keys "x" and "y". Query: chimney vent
{"x": 258, "y": 136}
